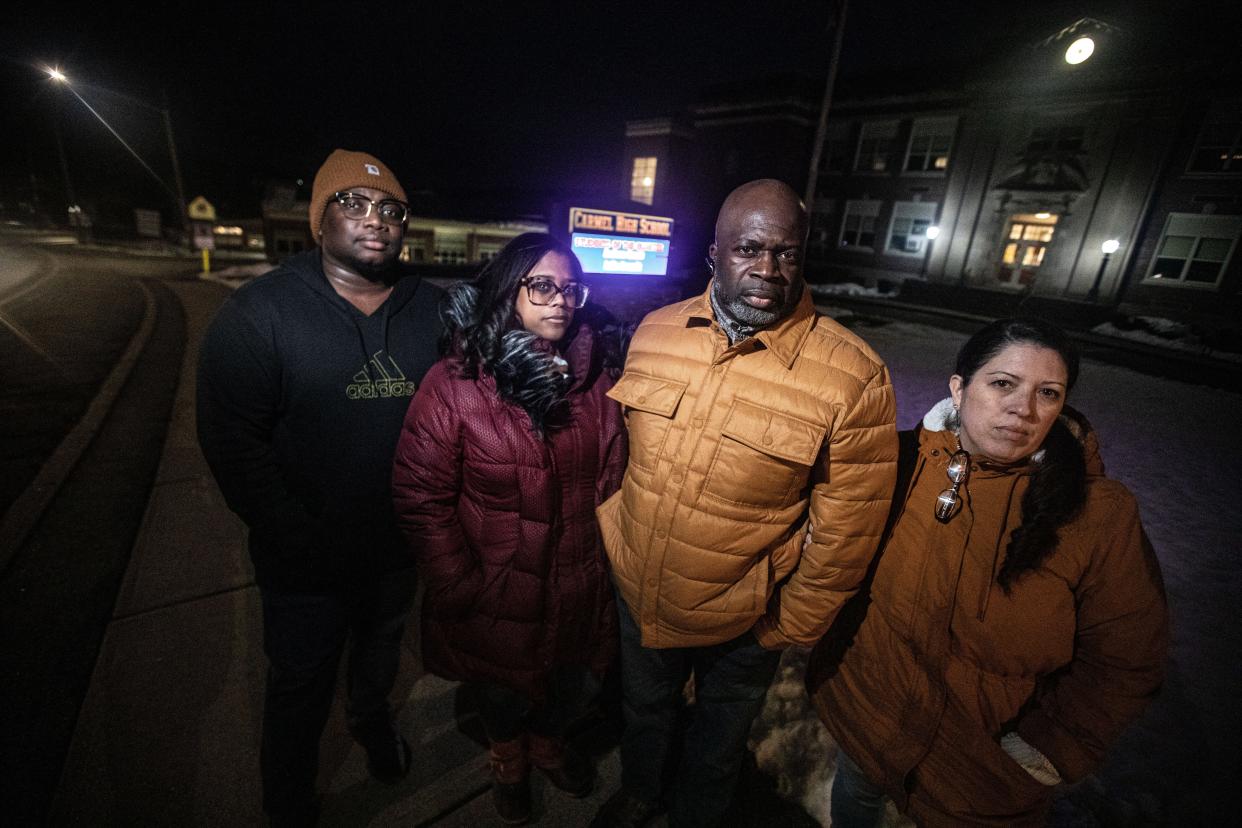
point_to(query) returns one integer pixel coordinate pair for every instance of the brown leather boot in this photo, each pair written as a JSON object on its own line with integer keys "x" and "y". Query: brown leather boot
{"x": 565, "y": 767}
{"x": 510, "y": 780}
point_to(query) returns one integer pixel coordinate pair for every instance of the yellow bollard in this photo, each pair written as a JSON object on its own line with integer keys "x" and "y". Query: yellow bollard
{"x": 206, "y": 261}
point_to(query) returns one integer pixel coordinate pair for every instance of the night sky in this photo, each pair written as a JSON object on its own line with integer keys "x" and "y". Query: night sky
{"x": 513, "y": 98}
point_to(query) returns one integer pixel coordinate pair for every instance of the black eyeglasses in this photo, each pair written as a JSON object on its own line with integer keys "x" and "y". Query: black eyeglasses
{"x": 958, "y": 471}
{"x": 357, "y": 207}
{"x": 543, "y": 291}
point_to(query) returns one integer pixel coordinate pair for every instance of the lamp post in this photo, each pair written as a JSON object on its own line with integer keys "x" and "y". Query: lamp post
{"x": 1108, "y": 248}
{"x": 166, "y": 119}
{"x": 932, "y": 233}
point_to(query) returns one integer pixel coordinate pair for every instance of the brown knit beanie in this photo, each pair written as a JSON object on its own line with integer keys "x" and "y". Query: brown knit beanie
{"x": 343, "y": 171}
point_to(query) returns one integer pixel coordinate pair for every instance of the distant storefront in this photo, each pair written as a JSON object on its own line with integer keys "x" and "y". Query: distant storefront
{"x": 427, "y": 240}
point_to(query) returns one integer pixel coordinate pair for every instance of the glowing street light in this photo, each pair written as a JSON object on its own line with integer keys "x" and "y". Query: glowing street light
{"x": 1079, "y": 51}
{"x": 1108, "y": 248}
{"x": 72, "y": 207}
{"x": 55, "y": 74}
{"x": 933, "y": 233}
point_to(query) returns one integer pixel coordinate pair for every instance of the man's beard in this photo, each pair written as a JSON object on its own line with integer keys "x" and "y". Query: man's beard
{"x": 749, "y": 316}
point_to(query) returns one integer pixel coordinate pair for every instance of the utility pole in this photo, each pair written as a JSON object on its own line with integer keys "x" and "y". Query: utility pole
{"x": 821, "y": 131}
{"x": 64, "y": 163}
{"x": 176, "y": 165}
{"x": 34, "y": 179}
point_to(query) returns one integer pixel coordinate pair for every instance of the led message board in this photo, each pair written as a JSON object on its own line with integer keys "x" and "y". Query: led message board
{"x": 606, "y": 241}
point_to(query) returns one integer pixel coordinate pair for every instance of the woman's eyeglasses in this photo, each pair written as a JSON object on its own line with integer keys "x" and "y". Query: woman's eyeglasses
{"x": 958, "y": 471}
{"x": 543, "y": 291}
{"x": 358, "y": 207}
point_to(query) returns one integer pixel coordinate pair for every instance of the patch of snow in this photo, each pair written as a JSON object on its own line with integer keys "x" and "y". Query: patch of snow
{"x": 1178, "y": 338}
{"x": 850, "y": 289}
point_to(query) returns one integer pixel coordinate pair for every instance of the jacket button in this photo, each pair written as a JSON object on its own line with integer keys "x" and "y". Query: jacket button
{"x": 767, "y": 439}
{"x": 642, "y": 399}
{"x": 935, "y": 452}
{"x": 677, "y": 475}
{"x": 660, "y": 533}
{"x": 651, "y": 582}
{"x": 698, "y": 422}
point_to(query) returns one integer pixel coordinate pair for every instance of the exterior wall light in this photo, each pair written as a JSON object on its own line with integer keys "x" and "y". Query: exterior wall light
{"x": 1079, "y": 51}
{"x": 1108, "y": 248}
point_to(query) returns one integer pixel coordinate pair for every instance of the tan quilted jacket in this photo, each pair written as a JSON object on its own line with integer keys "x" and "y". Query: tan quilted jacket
{"x": 731, "y": 449}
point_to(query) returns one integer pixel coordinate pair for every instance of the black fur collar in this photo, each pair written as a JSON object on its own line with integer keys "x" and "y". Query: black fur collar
{"x": 527, "y": 374}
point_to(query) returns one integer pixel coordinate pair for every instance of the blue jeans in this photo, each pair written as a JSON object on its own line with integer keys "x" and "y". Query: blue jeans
{"x": 856, "y": 802}
{"x": 731, "y": 680}
{"x": 304, "y": 635}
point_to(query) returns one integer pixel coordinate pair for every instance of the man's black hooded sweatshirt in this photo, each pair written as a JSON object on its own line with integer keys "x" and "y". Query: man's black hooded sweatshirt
{"x": 301, "y": 397}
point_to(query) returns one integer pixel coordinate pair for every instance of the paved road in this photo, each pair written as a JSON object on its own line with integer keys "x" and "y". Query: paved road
{"x": 65, "y": 324}
{"x": 65, "y": 319}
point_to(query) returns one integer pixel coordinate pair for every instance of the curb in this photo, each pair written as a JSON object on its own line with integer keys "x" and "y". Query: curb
{"x": 25, "y": 511}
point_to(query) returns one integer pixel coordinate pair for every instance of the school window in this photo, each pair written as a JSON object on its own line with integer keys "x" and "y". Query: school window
{"x": 930, "y": 142}
{"x": 450, "y": 249}
{"x": 1219, "y": 148}
{"x": 488, "y": 251}
{"x": 643, "y": 180}
{"x": 907, "y": 232}
{"x": 858, "y": 227}
{"x": 876, "y": 146}
{"x": 1194, "y": 249}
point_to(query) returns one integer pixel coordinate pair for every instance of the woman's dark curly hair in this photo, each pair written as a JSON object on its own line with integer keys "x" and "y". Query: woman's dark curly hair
{"x": 1058, "y": 485}
{"x": 477, "y": 340}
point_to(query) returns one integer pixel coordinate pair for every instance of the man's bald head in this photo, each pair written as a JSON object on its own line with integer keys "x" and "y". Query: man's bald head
{"x": 768, "y": 195}
{"x": 757, "y": 255}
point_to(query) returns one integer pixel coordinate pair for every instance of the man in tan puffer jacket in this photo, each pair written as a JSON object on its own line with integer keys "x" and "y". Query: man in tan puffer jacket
{"x": 748, "y": 415}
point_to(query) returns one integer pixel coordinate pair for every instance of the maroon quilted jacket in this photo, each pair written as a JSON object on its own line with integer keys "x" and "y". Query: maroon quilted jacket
{"x": 503, "y": 519}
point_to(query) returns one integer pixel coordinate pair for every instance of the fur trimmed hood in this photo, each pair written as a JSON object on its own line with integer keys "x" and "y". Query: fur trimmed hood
{"x": 938, "y": 418}
{"x": 532, "y": 373}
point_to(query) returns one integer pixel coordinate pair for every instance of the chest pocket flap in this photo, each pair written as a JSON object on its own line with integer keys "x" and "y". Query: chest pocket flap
{"x": 774, "y": 433}
{"x": 646, "y": 393}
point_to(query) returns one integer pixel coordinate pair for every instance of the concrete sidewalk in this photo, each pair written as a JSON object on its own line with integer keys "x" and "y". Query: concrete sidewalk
{"x": 169, "y": 731}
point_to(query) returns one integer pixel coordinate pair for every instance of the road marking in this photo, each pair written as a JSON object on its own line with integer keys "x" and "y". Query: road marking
{"x": 25, "y": 512}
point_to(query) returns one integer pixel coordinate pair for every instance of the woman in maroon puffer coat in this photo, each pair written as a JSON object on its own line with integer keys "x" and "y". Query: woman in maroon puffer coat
{"x": 507, "y": 448}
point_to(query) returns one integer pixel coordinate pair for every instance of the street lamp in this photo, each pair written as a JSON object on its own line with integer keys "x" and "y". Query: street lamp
{"x": 932, "y": 233}
{"x": 1079, "y": 51}
{"x": 55, "y": 73}
{"x": 1108, "y": 248}
{"x": 73, "y": 209}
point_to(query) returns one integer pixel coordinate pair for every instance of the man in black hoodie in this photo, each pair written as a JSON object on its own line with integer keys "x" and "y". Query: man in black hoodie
{"x": 304, "y": 380}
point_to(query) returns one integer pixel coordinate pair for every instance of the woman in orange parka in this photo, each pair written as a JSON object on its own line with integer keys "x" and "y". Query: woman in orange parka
{"x": 1015, "y": 620}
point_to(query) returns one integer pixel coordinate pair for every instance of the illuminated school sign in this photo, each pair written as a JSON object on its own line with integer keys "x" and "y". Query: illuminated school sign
{"x": 607, "y": 241}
